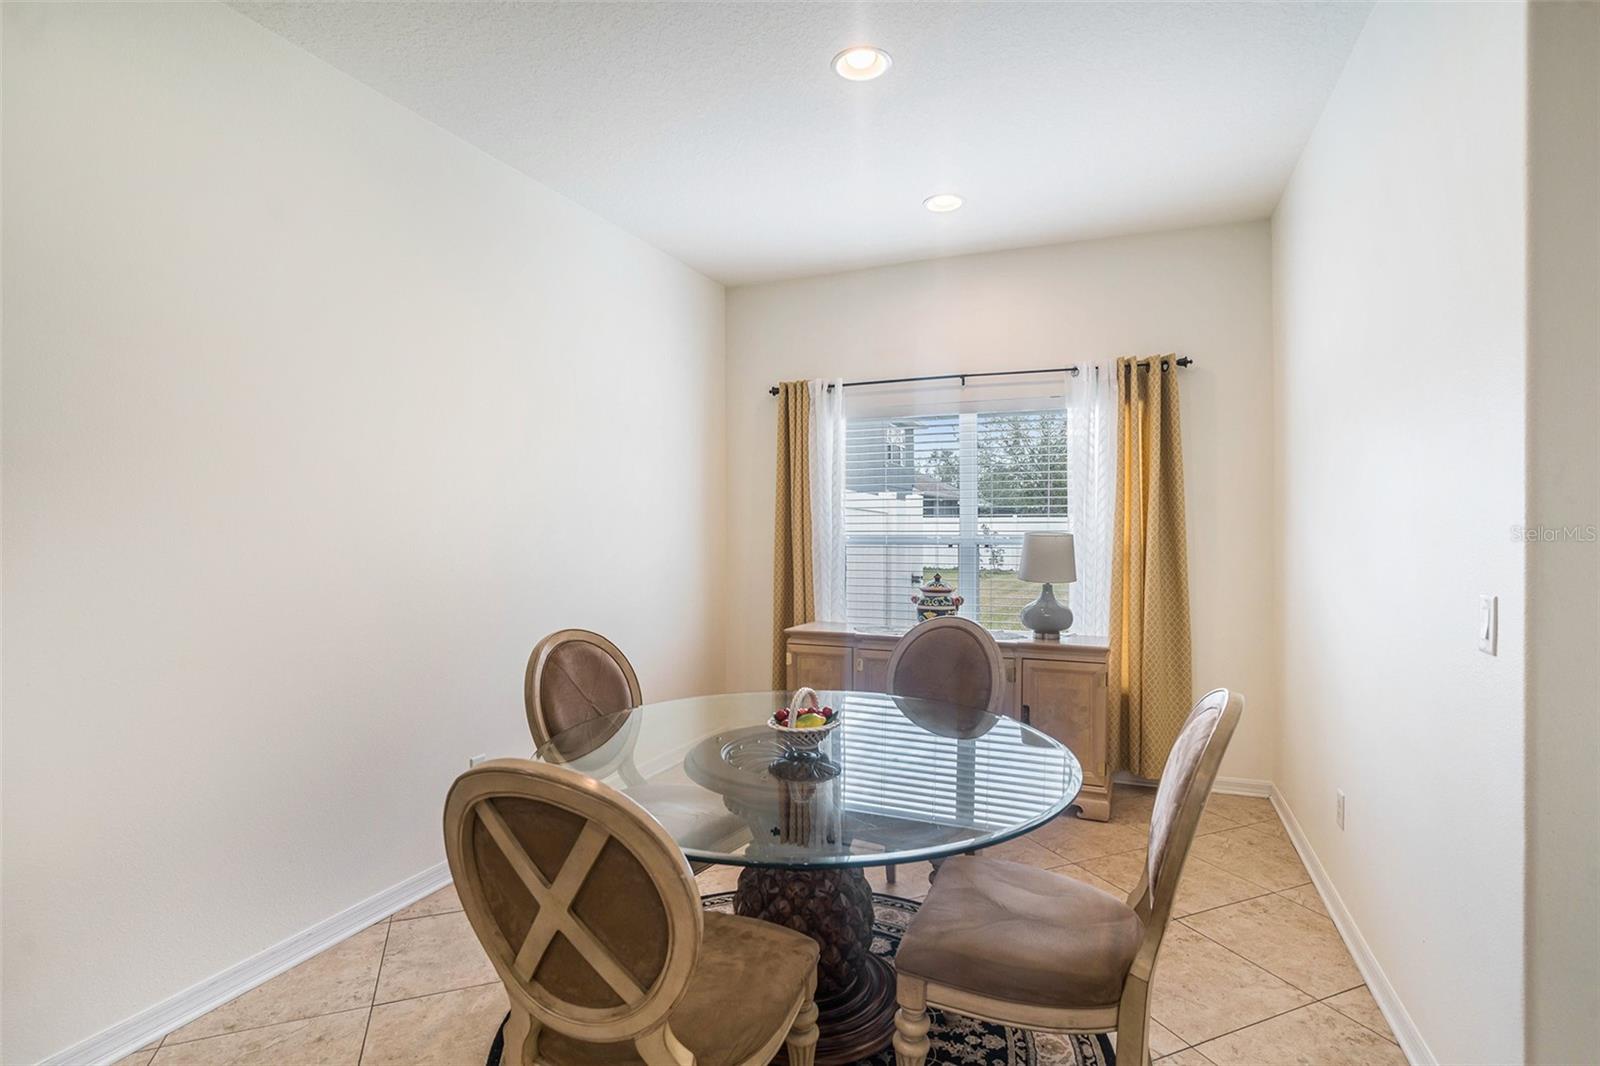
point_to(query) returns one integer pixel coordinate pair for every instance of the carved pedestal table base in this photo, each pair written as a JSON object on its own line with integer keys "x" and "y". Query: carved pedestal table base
{"x": 855, "y": 988}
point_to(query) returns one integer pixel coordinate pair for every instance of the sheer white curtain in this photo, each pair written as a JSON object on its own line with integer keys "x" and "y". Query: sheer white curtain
{"x": 826, "y": 455}
{"x": 1091, "y": 490}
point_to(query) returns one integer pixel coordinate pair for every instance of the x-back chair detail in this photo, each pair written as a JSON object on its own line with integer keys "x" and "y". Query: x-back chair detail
{"x": 1018, "y": 946}
{"x": 593, "y": 921}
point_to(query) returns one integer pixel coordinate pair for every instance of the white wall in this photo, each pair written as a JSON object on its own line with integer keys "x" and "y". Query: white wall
{"x": 1563, "y": 683}
{"x": 299, "y": 393}
{"x": 1400, "y": 321}
{"x": 1203, "y": 293}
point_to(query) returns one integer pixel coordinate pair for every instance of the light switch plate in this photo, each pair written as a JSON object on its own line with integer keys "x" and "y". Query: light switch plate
{"x": 1489, "y": 624}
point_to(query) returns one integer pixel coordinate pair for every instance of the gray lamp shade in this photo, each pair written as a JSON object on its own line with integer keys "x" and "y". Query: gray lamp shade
{"x": 1048, "y": 557}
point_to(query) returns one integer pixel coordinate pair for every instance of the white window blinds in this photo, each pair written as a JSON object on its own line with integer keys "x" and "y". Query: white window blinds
{"x": 950, "y": 493}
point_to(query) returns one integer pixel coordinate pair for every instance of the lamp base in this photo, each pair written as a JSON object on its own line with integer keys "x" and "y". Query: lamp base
{"x": 1046, "y": 617}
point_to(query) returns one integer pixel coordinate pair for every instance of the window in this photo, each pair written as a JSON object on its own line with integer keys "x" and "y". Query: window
{"x": 949, "y": 494}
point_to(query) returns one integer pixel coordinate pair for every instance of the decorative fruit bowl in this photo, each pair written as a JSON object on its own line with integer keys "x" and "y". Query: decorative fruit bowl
{"x": 804, "y": 724}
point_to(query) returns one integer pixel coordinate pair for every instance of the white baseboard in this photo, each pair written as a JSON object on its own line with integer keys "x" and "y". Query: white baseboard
{"x": 131, "y": 1034}
{"x": 1405, "y": 1030}
{"x": 1242, "y": 786}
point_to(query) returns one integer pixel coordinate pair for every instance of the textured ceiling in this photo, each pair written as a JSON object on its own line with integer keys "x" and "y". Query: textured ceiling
{"x": 720, "y": 134}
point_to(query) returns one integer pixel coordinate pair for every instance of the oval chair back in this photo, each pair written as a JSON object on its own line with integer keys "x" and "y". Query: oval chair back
{"x": 953, "y": 660}
{"x": 583, "y": 903}
{"x": 574, "y": 676}
{"x": 1186, "y": 780}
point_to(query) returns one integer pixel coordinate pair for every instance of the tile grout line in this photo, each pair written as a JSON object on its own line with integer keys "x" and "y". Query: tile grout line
{"x": 281, "y": 1021}
{"x": 1195, "y": 1046}
{"x": 1387, "y": 1036}
{"x": 433, "y": 914}
{"x": 1323, "y": 1000}
{"x": 372, "y": 1003}
{"x": 1248, "y": 962}
{"x": 1230, "y": 1032}
{"x": 1218, "y": 907}
{"x": 440, "y": 992}
{"x": 1280, "y": 1014}
{"x": 167, "y": 1037}
{"x": 1264, "y": 969}
{"x": 257, "y": 1028}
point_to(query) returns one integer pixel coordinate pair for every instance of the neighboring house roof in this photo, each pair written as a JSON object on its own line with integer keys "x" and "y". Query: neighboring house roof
{"x": 900, "y": 479}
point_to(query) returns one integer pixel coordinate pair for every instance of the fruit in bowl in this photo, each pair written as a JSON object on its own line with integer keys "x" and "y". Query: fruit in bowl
{"x": 803, "y": 717}
{"x": 805, "y": 721}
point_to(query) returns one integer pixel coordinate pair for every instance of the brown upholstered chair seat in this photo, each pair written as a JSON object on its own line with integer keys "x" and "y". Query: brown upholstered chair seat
{"x": 1014, "y": 932}
{"x": 742, "y": 990}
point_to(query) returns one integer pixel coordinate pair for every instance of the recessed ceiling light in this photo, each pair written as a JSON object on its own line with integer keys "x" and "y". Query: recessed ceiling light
{"x": 861, "y": 63}
{"x": 942, "y": 202}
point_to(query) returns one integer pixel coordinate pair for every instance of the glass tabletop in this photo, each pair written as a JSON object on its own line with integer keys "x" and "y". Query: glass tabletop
{"x": 896, "y": 780}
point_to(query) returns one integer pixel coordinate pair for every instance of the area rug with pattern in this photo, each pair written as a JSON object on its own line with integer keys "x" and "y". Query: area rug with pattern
{"x": 957, "y": 1040}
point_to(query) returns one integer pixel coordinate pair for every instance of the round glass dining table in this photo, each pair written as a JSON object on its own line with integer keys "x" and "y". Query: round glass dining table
{"x": 896, "y": 780}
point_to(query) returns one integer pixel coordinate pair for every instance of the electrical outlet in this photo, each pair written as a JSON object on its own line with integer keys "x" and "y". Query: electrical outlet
{"x": 1338, "y": 806}
{"x": 474, "y": 760}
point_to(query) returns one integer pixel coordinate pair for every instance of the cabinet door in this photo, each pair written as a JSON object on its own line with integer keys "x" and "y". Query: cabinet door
{"x": 819, "y": 666}
{"x": 872, "y": 670}
{"x": 1067, "y": 701}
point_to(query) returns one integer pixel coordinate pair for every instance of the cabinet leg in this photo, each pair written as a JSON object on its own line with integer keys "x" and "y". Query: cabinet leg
{"x": 1094, "y": 803}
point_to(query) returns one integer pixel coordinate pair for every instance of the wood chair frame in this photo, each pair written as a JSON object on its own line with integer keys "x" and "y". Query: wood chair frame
{"x": 643, "y": 1016}
{"x": 1151, "y": 901}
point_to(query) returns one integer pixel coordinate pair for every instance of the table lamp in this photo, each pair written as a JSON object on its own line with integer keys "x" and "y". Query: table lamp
{"x": 1046, "y": 558}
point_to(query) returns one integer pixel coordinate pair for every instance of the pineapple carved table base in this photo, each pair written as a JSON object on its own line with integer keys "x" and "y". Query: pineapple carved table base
{"x": 855, "y": 988}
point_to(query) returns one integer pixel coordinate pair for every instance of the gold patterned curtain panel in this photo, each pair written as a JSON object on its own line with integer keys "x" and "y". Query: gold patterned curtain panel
{"x": 1151, "y": 677}
{"x": 793, "y": 599}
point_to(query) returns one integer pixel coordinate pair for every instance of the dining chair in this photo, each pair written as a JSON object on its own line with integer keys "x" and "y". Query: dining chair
{"x": 573, "y": 676}
{"x": 1015, "y": 945}
{"x": 952, "y": 660}
{"x": 592, "y": 920}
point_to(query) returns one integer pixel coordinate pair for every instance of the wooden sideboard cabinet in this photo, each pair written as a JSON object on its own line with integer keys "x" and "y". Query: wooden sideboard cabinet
{"x": 1057, "y": 687}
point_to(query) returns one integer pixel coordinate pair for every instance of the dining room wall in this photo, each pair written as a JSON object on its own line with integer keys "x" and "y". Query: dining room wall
{"x": 1203, "y": 293}
{"x": 1563, "y": 574}
{"x": 1401, "y": 337}
{"x": 315, "y": 419}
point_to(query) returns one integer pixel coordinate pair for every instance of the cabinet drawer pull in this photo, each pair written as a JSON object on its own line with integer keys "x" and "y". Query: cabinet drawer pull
{"x": 1026, "y": 715}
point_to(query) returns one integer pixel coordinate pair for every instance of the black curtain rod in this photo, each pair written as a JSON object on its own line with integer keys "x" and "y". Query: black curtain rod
{"x": 1181, "y": 361}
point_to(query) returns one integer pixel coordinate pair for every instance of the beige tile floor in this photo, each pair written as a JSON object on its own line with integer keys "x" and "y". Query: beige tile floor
{"x": 1251, "y": 971}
